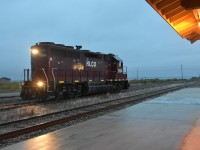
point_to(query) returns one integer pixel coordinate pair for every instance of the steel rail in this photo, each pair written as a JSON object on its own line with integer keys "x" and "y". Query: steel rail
{"x": 73, "y": 109}
{"x": 3, "y": 97}
{"x": 13, "y": 104}
{"x": 137, "y": 99}
{"x": 10, "y": 107}
{"x": 5, "y": 106}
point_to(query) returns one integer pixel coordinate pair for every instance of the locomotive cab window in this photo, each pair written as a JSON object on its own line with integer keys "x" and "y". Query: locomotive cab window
{"x": 121, "y": 64}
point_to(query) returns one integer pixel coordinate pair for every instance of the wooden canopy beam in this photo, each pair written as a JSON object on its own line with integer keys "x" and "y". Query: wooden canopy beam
{"x": 190, "y": 4}
{"x": 180, "y": 16}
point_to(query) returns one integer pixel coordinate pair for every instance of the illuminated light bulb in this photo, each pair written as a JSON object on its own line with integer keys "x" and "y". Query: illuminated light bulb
{"x": 40, "y": 84}
{"x": 34, "y": 51}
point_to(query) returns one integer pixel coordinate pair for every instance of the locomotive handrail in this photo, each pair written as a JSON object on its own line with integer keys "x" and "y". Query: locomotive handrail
{"x": 54, "y": 80}
{"x": 125, "y": 72}
{"x": 26, "y": 75}
{"x": 46, "y": 79}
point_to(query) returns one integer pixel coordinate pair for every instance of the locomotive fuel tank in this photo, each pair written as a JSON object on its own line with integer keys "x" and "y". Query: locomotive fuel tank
{"x": 96, "y": 89}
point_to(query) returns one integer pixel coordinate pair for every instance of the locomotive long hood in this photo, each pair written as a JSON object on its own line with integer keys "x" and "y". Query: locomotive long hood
{"x": 182, "y": 15}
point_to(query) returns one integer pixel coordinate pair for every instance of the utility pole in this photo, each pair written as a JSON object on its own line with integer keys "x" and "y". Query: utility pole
{"x": 137, "y": 73}
{"x": 182, "y": 71}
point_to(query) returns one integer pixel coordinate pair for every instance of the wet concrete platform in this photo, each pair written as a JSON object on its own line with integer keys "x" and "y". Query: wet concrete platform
{"x": 158, "y": 124}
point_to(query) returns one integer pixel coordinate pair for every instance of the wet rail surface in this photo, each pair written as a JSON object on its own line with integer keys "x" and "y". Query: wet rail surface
{"x": 159, "y": 124}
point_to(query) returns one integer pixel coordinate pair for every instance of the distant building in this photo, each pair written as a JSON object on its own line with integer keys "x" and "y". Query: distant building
{"x": 5, "y": 80}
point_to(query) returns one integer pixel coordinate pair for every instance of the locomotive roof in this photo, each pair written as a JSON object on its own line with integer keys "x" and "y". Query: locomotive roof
{"x": 64, "y": 47}
{"x": 72, "y": 48}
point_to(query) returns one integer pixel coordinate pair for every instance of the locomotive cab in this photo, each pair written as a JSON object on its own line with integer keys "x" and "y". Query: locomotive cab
{"x": 117, "y": 73}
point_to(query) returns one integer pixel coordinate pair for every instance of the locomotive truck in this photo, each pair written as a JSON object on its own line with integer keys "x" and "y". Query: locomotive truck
{"x": 61, "y": 71}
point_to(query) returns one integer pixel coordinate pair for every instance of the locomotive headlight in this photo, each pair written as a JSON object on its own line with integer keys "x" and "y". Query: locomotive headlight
{"x": 40, "y": 84}
{"x": 34, "y": 51}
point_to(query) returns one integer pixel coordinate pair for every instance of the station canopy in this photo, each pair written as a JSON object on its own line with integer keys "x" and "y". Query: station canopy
{"x": 182, "y": 15}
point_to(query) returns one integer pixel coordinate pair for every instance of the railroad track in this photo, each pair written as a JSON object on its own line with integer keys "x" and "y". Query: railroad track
{"x": 29, "y": 125}
{"x": 9, "y": 99}
{"x": 6, "y": 107}
{"x": 8, "y": 103}
{"x": 12, "y": 96}
{"x": 19, "y": 105}
{"x": 14, "y": 102}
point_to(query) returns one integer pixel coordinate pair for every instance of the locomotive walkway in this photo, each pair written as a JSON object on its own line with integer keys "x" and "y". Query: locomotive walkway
{"x": 165, "y": 123}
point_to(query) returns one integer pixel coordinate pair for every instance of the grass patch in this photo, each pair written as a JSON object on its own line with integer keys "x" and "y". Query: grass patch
{"x": 156, "y": 80}
{"x": 10, "y": 86}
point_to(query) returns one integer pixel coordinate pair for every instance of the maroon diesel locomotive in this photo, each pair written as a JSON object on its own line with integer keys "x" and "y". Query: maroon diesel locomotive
{"x": 64, "y": 71}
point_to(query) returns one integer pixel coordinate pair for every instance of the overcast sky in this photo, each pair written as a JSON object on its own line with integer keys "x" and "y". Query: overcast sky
{"x": 130, "y": 29}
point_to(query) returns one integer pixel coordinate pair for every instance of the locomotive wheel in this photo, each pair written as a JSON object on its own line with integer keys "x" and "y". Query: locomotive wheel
{"x": 41, "y": 96}
{"x": 117, "y": 88}
{"x": 25, "y": 97}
